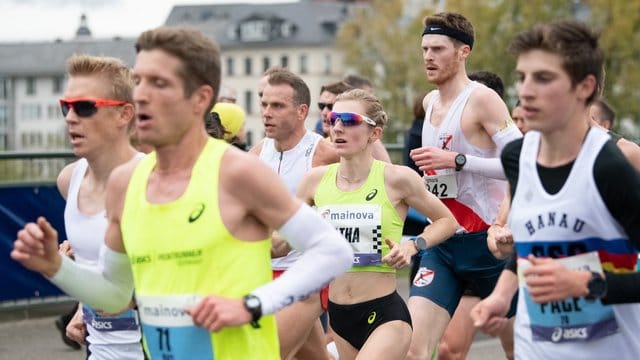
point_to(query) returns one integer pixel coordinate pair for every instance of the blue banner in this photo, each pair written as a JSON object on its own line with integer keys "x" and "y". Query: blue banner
{"x": 19, "y": 205}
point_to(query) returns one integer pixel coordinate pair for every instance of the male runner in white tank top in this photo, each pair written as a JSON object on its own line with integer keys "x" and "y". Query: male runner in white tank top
{"x": 466, "y": 126}
{"x": 563, "y": 167}
{"x": 100, "y": 137}
{"x": 291, "y": 150}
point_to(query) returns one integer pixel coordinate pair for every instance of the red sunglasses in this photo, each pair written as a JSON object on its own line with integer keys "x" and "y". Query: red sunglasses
{"x": 86, "y": 107}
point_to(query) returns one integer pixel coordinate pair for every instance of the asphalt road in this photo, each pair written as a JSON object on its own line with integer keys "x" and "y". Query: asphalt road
{"x": 29, "y": 332}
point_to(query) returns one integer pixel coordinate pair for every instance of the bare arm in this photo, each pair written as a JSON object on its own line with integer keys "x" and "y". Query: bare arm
{"x": 499, "y": 236}
{"x": 443, "y": 224}
{"x": 414, "y": 194}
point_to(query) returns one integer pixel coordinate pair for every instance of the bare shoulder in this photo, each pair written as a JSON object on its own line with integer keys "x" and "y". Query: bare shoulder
{"x": 425, "y": 101}
{"x": 120, "y": 176}
{"x": 400, "y": 176}
{"x": 257, "y": 148}
{"x": 242, "y": 169}
{"x": 631, "y": 151}
{"x": 325, "y": 153}
{"x": 309, "y": 183}
{"x": 64, "y": 179}
{"x": 484, "y": 96}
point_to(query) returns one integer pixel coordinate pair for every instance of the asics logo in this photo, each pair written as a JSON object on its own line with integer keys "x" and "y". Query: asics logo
{"x": 195, "y": 214}
{"x": 371, "y": 318}
{"x": 371, "y": 195}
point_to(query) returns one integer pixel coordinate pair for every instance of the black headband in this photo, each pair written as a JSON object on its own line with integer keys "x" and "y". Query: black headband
{"x": 452, "y": 33}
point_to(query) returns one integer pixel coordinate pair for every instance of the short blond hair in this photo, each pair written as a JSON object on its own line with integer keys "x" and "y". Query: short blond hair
{"x": 114, "y": 70}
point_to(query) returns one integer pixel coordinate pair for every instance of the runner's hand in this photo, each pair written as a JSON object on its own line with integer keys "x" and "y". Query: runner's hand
{"x": 548, "y": 280}
{"x": 36, "y": 248}
{"x": 399, "y": 255}
{"x": 215, "y": 313}
{"x": 490, "y": 314}
{"x": 76, "y": 329}
{"x": 500, "y": 241}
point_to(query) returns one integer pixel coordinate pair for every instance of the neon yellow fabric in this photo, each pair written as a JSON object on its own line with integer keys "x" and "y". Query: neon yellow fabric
{"x": 328, "y": 193}
{"x": 183, "y": 248}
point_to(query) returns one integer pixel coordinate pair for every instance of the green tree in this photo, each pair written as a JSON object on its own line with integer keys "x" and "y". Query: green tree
{"x": 383, "y": 43}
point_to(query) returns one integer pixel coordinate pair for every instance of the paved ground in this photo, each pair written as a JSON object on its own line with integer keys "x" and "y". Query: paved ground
{"x": 30, "y": 333}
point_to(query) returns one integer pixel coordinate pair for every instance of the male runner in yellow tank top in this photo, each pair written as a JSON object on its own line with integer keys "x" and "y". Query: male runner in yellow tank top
{"x": 189, "y": 225}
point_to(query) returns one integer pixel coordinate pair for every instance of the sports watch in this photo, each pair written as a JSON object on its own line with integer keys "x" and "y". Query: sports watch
{"x": 597, "y": 287}
{"x": 460, "y": 160}
{"x": 421, "y": 243}
{"x": 254, "y": 306}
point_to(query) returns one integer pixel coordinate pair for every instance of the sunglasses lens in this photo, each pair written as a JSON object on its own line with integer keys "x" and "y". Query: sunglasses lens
{"x": 64, "y": 107}
{"x": 81, "y": 108}
{"x": 85, "y": 108}
{"x": 325, "y": 105}
{"x": 347, "y": 119}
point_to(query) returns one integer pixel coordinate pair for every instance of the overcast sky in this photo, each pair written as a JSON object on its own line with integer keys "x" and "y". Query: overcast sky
{"x": 34, "y": 20}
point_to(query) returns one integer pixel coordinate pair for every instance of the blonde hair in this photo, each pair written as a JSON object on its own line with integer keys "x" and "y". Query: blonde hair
{"x": 373, "y": 106}
{"x": 113, "y": 70}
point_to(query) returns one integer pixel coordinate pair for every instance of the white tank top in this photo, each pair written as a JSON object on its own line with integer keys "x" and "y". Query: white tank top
{"x": 574, "y": 220}
{"x": 478, "y": 197}
{"x": 291, "y": 165}
{"x": 86, "y": 234}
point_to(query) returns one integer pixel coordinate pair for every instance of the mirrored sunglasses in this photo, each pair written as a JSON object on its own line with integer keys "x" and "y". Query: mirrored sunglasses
{"x": 349, "y": 119}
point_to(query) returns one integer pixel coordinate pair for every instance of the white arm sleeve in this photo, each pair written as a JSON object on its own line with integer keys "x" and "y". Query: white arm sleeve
{"x": 325, "y": 255}
{"x": 487, "y": 167}
{"x": 108, "y": 286}
{"x": 491, "y": 167}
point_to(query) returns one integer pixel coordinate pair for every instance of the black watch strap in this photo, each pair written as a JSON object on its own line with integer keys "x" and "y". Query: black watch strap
{"x": 254, "y": 307}
{"x": 597, "y": 287}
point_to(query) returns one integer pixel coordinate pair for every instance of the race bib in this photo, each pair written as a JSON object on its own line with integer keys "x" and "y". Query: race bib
{"x": 573, "y": 319}
{"x": 443, "y": 186}
{"x": 361, "y": 226}
{"x": 120, "y": 322}
{"x": 169, "y": 331}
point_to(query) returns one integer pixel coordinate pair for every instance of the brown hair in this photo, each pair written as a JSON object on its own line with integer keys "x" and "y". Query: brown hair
{"x": 336, "y": 88}
{"x": 301, "y": 94}
{"x": 373, "y": 106}
{"x": 113, "y": 70}
{"x": 574, "y": 42}
{"x": 200, "y": 56}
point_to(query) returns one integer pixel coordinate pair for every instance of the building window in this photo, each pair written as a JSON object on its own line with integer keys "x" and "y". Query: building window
{"x": 327, "y": 64}
{"x": 3, "y": 89}
{"x": 248, "y": 101}
{"x": 247, "y": 66}
{"x": 57, "y": 84}
{"x": 304, "y": 64}
{"x": 30, "y": 112}
{"x": 230, "y": 64}
{"x": 3, "y": 117}
{"x": 53, "y": 112}
{"x": 266, "y": 63}
{"x": 24, "y": 140}
{"x": 284, "y": 61}
{"x": 31, "y": 86}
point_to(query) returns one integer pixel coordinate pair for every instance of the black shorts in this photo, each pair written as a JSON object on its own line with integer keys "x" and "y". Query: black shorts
{"x": 356, "y": 322}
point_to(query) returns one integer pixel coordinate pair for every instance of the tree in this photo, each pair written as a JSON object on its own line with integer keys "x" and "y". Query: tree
{"x": 383, "y": 43}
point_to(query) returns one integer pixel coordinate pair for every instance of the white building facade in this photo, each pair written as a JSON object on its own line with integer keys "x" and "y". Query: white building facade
{"x": 253, "y": 37}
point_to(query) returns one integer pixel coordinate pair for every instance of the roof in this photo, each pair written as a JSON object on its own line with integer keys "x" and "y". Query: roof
{"x": 48, "y": 58}
{"x": 290, "y": 24}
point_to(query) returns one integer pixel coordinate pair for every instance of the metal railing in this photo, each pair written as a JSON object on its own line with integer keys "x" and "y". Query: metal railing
{"x": 19, "y": 167}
